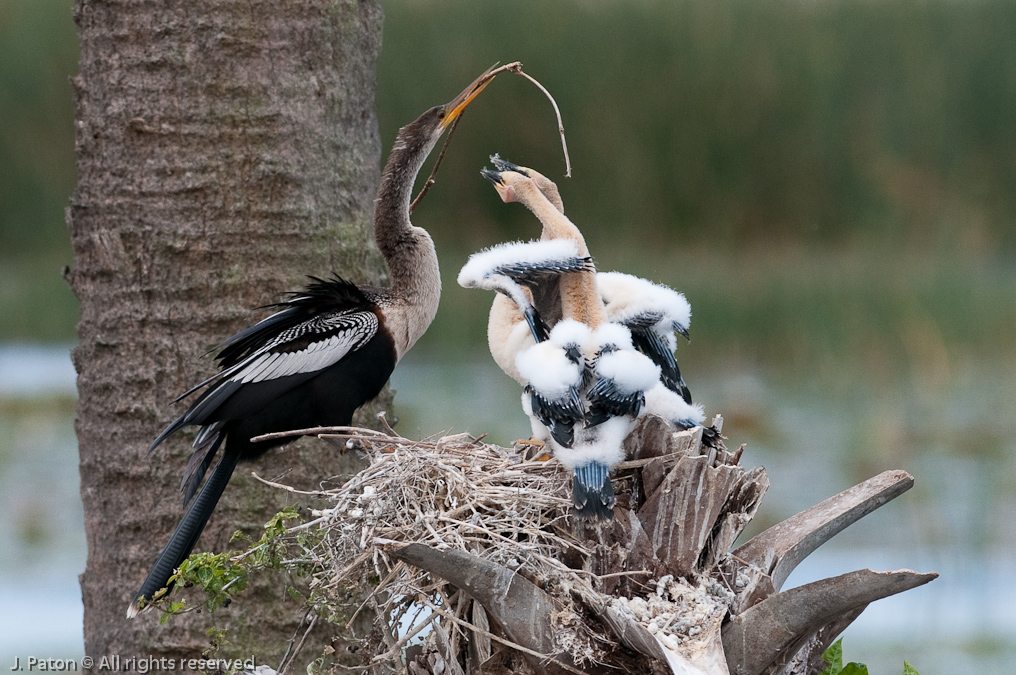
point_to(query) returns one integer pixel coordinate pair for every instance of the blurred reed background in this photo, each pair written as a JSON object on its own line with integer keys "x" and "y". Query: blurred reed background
{"x": 832, "y": 183}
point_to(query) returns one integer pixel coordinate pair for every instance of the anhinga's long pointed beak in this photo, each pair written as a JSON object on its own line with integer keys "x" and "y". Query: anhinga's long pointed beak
{"x": 459, "y": 103}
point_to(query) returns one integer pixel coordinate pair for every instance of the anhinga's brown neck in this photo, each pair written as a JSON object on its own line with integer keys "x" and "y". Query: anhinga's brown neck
{"x": 408, "y": 250}
{"x": 555, "y": 224}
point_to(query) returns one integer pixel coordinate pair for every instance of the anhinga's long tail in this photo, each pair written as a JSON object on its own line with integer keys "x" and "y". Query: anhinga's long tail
{"x": 187, "y": 532}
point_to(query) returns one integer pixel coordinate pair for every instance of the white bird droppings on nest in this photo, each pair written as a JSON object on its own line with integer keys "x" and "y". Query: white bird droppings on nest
{"x": 677, "y": 611}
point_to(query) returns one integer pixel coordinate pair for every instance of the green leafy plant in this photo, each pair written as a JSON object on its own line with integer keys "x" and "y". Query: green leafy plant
{"x": 222, "y": 575}
{"x": 834, "y": 657}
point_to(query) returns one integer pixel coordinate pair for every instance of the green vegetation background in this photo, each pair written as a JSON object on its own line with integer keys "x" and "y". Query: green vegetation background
{"x": 831, "y": 179}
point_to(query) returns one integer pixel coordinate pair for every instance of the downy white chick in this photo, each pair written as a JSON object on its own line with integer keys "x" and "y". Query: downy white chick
{"x": 584, "y": 407}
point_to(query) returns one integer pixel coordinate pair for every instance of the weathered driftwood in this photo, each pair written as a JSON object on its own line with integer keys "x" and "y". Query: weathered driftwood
{"x": 761, "y": 635}
{"x": 778, "y": 550}
{"x": 515, "y": 585}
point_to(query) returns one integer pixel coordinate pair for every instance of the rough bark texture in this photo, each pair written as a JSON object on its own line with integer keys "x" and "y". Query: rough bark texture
{"x": 225, "y": 149}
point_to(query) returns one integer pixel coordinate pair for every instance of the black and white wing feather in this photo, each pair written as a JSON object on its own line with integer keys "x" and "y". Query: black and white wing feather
{"x": 316, "y": 328}
{"x": 647, "y": 339}
{"x": 508, "y": 268}
{"x": 622, "y": 376}
{"x": 554, "y": 379}
{"x": 653, "y": 313}
{"x": 292, "y": 357}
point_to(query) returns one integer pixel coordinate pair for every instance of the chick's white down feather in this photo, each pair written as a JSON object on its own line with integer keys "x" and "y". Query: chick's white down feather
{"x": 630, "y": 370}
{"x": 482, "y": 264}
{"x": 626, "y": 297}
{"x": 603, "y": 443}
{"x": 670, "y": 406}
{"x": 548, "y": 369}
{"x": 569, "y": 332}
{"x": 613, "y": 335}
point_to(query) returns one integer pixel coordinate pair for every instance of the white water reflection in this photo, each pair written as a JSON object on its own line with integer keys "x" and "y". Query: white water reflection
{"x": 957, "y": 520}
{"x": 43, "y": 528}
{"x": 34, "y": 370}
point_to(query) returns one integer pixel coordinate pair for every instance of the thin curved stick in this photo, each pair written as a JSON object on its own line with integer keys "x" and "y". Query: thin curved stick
{"x": 437, "y": 164}
{"x": 515, "y": 67}
{"x": 318, "y": 431}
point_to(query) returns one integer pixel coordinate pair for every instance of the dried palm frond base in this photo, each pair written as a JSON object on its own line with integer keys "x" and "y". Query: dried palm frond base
{"x": 468, "y": 558}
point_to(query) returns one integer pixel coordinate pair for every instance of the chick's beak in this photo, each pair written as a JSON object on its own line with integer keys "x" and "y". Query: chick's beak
{"x": 459, "y": 103}
{"x": 504, "y": 165}
{"x": 494, "y": 177}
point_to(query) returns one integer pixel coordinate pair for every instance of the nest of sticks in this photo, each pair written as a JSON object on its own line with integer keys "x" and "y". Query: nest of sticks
{"x": 508, "y": 507}
{"x": 456, "y": 556}
{"x": 455, "y": 493}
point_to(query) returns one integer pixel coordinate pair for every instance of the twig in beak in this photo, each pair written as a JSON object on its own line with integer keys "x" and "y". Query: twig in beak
{"x": 515, "y": 67}
{"x": 433, "y": 172}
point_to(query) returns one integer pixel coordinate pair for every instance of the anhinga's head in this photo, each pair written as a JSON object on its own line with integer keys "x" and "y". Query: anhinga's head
{"x": 447, "y": 113}
{"x": 424, "y": 132}
{"x": 503, "y": 179}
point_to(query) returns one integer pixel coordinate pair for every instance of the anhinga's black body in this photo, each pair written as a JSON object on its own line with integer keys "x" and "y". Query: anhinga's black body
{"x": 329, "y": 349}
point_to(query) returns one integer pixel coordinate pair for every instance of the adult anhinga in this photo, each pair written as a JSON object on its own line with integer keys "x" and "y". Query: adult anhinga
{"x": 330, "y": 349}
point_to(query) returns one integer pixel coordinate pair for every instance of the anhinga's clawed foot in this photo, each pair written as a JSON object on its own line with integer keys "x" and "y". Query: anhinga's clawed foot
{"x": 532, "y": 449}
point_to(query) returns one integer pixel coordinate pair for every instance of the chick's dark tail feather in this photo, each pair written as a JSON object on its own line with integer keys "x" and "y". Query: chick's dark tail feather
{"x": 187, "y": 532}
{"x": 592, "y": 492}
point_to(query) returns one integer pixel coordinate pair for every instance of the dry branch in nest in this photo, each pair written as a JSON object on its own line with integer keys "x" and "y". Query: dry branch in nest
{"x": 469, "y": 552}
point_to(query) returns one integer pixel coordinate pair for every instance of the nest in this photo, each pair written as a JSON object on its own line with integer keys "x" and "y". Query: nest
{"x": 453, "y": 493}
{"x": 460, "y": 556}
{"x": 459, "y": 494}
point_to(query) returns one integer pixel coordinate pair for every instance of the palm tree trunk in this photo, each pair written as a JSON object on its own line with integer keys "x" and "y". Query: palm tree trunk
{"x": 225, "y": 149}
